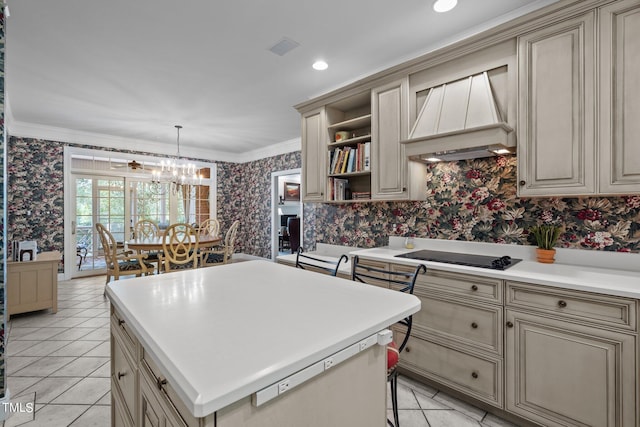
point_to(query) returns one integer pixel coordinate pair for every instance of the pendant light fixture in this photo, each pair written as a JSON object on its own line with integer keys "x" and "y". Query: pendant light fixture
{"x": 176, "y": 171}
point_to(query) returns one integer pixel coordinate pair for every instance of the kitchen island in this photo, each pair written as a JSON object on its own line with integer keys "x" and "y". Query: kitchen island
{"x": 252, "y": 344}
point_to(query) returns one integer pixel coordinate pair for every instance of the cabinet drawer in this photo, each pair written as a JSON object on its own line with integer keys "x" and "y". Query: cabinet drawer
{"x": 120, "y": 327}
{"x": 598, "y": 309}
{"x": 479, "y": 288}
{"x": 156, "y": 410}
{"x": 123, "y": 374}
{"x": 165, "y": 392}
{"x": 460, "y": 322}
{"x": 479, "y": 377}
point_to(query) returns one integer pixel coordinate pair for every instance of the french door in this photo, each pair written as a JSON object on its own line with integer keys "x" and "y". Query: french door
{"x": 98, "y": 199}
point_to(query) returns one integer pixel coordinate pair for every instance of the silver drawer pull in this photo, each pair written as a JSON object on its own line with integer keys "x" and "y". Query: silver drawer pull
{"x": 474, "y": 325}
{"x": 474, "y": 375}
{"x": 562, "y": 304}
{"x": 474, "y": 287}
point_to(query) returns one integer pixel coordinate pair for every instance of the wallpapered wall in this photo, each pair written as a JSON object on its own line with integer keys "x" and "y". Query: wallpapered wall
{"x": 470, "y": 200}
{"x": 476, "y": 200}
{"x": 244, "y": 191}
{"x": 2, "y": 213}
{"x": 35, "y": 185}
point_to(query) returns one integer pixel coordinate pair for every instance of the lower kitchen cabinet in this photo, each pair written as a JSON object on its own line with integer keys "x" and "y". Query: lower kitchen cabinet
{"x": 564, "y": 374}
{"x": 570, "y": 357}
{"x": 545, "y": 355}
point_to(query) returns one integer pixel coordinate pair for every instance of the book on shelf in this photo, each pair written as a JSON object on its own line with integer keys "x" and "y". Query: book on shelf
{"x": 361, "y": 195}
{"x": 350, "y": 159}
{"x": 338, "y": 188}
{"x": 367, "y": 156}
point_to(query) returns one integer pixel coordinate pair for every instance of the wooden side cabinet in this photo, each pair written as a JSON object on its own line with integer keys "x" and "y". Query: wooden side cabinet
{"x": 33, "y": 285}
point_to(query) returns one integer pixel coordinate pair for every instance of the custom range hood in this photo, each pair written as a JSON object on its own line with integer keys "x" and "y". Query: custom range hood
{"x": 459, "y": 120}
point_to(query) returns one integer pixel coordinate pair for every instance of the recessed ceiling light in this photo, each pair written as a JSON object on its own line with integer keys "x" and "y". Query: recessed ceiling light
{"x": 444, "y": 5}
{"x": 320, "y": 65}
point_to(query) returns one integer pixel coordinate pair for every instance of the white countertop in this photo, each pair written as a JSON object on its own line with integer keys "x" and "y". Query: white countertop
{"x": 609, "y": 281}
{"x": 222, "y": 333}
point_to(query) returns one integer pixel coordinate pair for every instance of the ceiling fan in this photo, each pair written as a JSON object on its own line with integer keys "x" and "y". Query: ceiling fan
{"x": 132, "y": 165}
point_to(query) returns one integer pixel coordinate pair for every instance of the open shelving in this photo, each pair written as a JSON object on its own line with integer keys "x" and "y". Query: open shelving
{"x": 349, "y": 160}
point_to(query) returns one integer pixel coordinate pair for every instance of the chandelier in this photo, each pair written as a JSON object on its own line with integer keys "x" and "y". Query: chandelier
{"x": 176, "y": 171}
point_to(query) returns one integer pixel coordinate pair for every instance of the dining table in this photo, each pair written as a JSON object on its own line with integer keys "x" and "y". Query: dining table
{"x": 155, "y": 243}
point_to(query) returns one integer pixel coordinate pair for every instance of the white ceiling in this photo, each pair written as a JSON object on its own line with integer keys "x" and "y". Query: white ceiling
{"x": 122, "y": 73}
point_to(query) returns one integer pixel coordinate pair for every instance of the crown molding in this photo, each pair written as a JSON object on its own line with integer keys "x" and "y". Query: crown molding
{"x": 70, "y": 136}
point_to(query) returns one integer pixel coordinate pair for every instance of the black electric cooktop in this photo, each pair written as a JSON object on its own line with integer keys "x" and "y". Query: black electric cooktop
{"x": 482, "y": 261}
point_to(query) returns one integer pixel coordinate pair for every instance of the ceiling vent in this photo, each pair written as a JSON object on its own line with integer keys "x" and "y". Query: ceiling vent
{"x": 284, "y": 46}
{"x": 459, "y": 120}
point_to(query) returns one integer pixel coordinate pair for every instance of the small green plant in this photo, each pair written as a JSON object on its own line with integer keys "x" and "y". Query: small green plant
{"x": 545, "y": 236}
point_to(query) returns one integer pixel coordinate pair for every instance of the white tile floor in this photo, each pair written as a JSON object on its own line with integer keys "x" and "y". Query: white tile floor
{"x": 59, "y": 363}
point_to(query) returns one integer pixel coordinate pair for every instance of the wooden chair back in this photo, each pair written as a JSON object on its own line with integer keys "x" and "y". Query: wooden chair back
{"x": 180, "y": 247}
{"x": 124, "y": 262}
{"x": 210, "y": 227}
{"x": 222, "y": 255}
{"x": 146, "y": 229}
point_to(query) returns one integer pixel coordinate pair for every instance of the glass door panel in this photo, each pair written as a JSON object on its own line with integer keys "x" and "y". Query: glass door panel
{"x": 98, "y": 199}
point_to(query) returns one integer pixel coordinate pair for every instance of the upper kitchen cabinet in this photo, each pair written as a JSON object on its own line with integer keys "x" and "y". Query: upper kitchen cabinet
{"x": 313, "y": 155}
{"x": 619, "y": 99}
{"x": 556, "y": 117}
{"x": 351, "y": 149}
{"x": 578, "y": 127}
{"x": 393, "y": 177}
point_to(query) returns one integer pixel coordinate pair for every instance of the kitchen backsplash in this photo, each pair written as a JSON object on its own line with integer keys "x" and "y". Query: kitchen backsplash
{"x": 476, "y": 200}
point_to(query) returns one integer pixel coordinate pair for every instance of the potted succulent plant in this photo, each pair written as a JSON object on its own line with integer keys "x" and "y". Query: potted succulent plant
{"x": 545, "y": 236}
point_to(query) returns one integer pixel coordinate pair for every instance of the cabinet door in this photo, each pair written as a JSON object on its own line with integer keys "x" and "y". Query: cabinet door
{"x": 388, "y": 128}
{"x": 314, "y": 155}
{"x": 556, "y": 117}
{"x": 561, "y": 374}
{"x": 619, "y": 97}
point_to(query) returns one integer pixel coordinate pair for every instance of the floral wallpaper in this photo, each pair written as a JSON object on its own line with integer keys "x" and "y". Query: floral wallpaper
{"x": 244, "y": 192}
{"x": 36, "y": 195}
{"x": 2, "y": 213}
{"x": 35, "y": 202}
{"x": 476, "y": 200}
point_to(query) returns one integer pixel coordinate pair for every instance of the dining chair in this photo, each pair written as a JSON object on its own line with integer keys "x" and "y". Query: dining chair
{"x": 402, "y": 281}
{"x": 210, "y": 226}
{"x": 321, "y": 265}
{"x": 120, "y": 262}
{"x": 145, "y": 229}
{"x": 223, "y": 254}
{"x": 179, "y": 248}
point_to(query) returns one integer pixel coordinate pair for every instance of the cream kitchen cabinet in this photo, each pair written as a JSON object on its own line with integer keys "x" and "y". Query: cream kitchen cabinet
{"x": 313, "y": 156}
{"x": 577, "y": 124}
{"x": 124, "y": 373}
{"x": 556, "y": 109}
{"x": 351, "y": 149}
{"x": 393, "y": 177}
{"x": 619, "y": 99}
{"x": 457, "y": 336}
{"x": 570, "y": 357}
